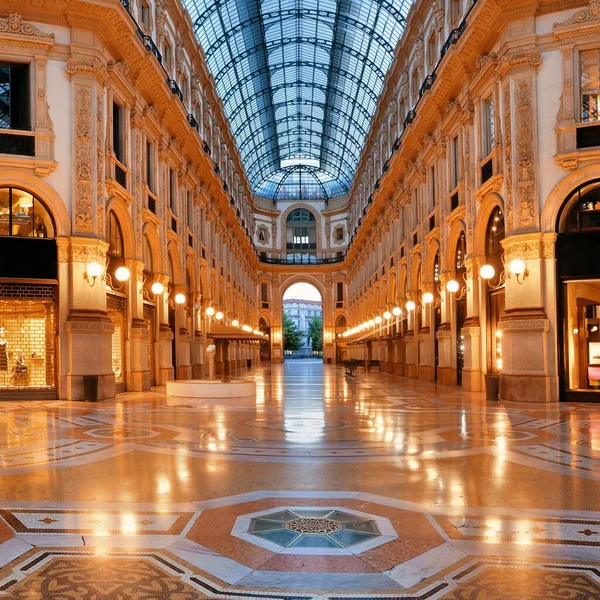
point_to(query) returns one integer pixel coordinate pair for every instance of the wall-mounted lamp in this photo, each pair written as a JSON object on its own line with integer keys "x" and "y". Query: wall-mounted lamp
{"x": 210, "y": 311}
{"x": 93, "y": 271}
{"x": 410, "y": 305}
{"x": 516, "y": 267}
{"x": 387, "y": 315}
{"x": 396, "y": 311}
{"x": 157, "y": 288}
{"x": 235, "y": 323}
{"x": 378, "y": 320}
{"x": 427, "y": 298}
{"x": 180, "y": 298}
{"x": 219, "y": 316}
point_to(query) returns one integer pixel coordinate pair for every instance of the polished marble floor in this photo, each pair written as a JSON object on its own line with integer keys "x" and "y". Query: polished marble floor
{"x": 321, "y": 487}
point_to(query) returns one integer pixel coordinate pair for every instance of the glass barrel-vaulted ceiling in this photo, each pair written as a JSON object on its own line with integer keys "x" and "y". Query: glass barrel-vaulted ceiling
{"x": 299, "y": 80}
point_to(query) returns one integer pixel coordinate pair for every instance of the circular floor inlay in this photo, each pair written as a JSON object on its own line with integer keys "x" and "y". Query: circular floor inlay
{"x": 327, "y": 528}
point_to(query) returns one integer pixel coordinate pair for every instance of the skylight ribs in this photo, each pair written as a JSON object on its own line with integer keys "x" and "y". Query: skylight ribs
{"x": 299, "y": 80}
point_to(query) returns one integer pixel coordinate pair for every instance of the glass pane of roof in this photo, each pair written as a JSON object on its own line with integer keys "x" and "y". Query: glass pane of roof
{"x": 299, "y": 79}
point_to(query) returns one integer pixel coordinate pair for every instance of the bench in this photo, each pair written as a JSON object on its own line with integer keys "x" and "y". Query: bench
{"x": 350, "y": 366}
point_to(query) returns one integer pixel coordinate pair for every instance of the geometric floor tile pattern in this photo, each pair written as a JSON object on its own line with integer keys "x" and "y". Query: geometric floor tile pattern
{"x": 417, "y": 491}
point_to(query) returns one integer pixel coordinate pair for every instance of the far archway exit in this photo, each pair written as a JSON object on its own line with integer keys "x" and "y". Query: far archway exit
{"x": 302, "y": 321}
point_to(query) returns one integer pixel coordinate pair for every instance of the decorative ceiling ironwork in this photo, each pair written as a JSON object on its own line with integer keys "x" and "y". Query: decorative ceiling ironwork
{"x": 299, "y": 80}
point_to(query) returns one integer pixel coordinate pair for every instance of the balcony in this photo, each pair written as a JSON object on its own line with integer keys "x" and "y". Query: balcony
{"x": 301, "y": 259}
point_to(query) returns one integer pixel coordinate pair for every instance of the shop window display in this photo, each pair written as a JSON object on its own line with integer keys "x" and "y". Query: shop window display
{"x": 116, "y": 313}
{"x": 27, "y": 344}
{"x": 23, "y": 215}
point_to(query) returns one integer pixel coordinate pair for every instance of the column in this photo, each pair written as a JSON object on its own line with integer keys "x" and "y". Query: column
{"x": 88, "y": 328}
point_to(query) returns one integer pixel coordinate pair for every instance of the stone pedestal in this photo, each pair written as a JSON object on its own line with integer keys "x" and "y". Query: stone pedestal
{"x": 89, "y": 340}
{"x": 525, "y": 375}
{"x": 165, "y": 364}
{"x": 138, "y": 378}
{"x": 472, "y": 375}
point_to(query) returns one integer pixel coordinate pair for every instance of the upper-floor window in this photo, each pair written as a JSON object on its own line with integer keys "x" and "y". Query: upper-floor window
{"x": 590, "y": 85}
{"x": 488, "y": 134}
{"x": 14, "y": 96}
{"x": 167, "y": 55}
{"x": 145, "y": 15}
{"x": 432, "y": 52}
{"x": 118, "y": 133}
{"x": 339, "y": 234}
{"x": 114, "y": 235}
{"x": 147, "y": 255}
{"x": 455, "y": 162}
{"x": 455, "y": 11}
{"x": 23, "y": 215}
{"x": 150, "y": 166}
{"x": 432, "y": 184}
{"x": 189, "y": 204}
{"x": 415, "y": 84}
{"x": 172, "y": 189}
{"x": 301, "y": 231}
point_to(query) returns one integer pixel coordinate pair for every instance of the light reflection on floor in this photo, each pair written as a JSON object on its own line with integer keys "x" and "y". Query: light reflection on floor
{"x": 104, "y": 485}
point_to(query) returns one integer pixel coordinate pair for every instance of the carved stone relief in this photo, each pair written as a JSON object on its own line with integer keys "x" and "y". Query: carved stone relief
{"x": 83, "y": 160}
{"x": 526, "y": 188}
{"x": 508, "y": 200}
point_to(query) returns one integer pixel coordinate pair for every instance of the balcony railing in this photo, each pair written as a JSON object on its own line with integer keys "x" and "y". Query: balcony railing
{"x": 303, "y": 259}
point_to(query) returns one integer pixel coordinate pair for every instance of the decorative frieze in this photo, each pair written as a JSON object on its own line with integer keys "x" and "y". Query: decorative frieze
{"x": 525, "y": 175}
{"x": 83, "y": 160}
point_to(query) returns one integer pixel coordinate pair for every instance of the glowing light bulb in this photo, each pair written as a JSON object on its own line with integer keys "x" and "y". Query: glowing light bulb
{"x": 210, "y": 311}
{"x": 122, "y": 274}
{"x": 487, "y": 272}
{"x": 378, "y": 320}
{"x": 517, "y": 266}
{"x": 157, "y": 288}
{"x": 219, "y": 316}
{"x": 452, "y": 286}
{"x": 94, "y": 269}
{"x": 387, "y": 315}
{"x": 396, "y": 311}
{"x": 235, "y": 323}
{"x": 180, "y": 298}
{"x": 410, "y": 305}
{"x": 427, "y": 298}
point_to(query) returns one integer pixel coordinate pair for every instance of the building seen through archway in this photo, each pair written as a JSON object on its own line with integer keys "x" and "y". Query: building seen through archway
{"x": 303, "y": 313}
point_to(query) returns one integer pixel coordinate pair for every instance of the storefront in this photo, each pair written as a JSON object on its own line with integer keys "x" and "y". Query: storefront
{"x": 116, "y": 302}
{"x": 28, "y": 297}
{"x": 578, "y": 271}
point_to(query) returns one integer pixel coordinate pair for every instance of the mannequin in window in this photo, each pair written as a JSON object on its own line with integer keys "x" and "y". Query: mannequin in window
{"x": 3, "y": 352}
{"x": 19, "y": 370}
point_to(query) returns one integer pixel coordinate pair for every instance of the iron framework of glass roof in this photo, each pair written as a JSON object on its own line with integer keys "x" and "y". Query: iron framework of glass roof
{"x": 299, "y": 81}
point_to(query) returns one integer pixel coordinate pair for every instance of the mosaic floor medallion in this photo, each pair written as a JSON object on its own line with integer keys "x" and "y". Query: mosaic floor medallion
{"x": 315, "y": 530}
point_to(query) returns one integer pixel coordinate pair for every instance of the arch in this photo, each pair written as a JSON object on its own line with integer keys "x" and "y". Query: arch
{"x": 46, "y": 193}
{"x": 173, "y": 254}
{"x": 303, "y": 278}
{"x": 402, "y": 281}
{"x": 433, "y": 249}
{"x": 488, "y": 204}
{"x": 458, "y": 227}
{"x": 263, "y": 321}
{"x": 121, "y": 212}
{"x": 391, "y": 288}
{"x": 561, "y": 192}
{"x": 414, "y": 273}
{"x": 285, "y": 215}
{"x": 203, "y": 280}
{"x": 341, "y": 322}
{"x": 149, "y": 230}
{"x": 190, "y": 274}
